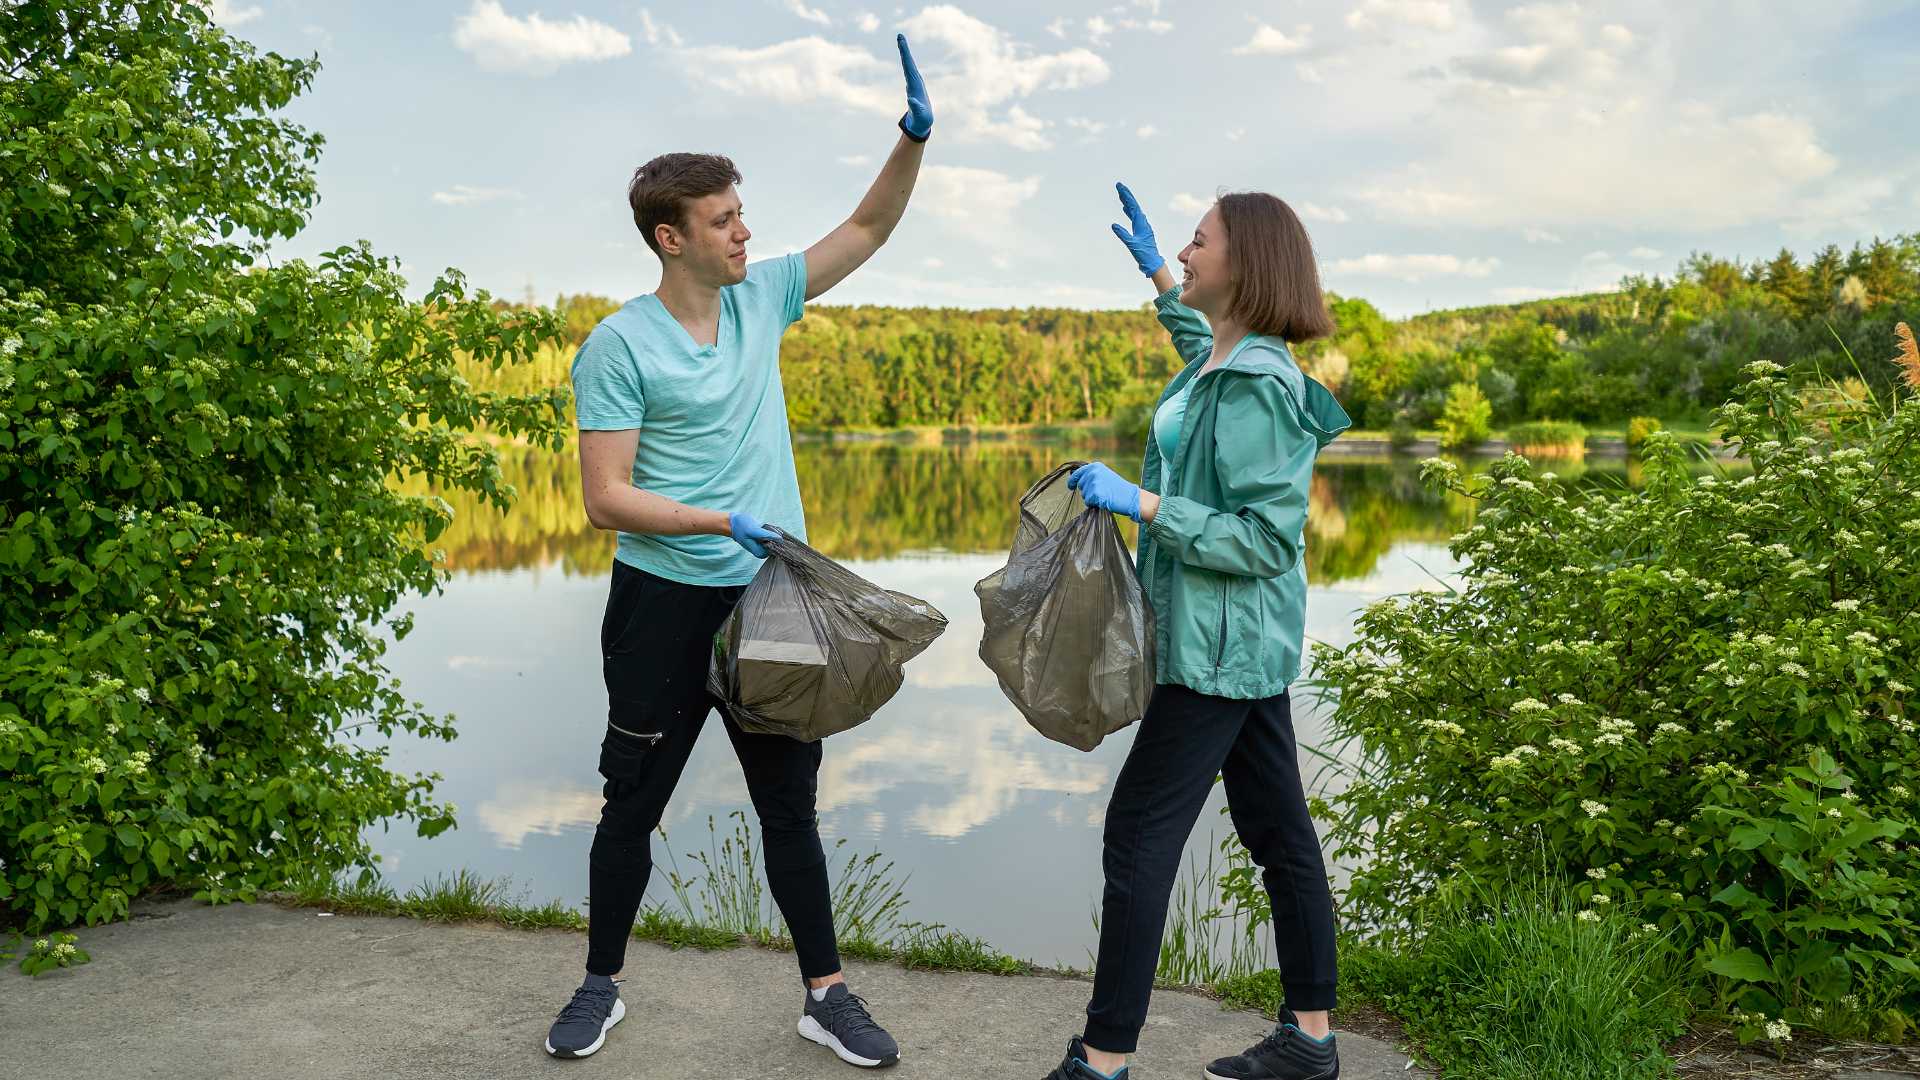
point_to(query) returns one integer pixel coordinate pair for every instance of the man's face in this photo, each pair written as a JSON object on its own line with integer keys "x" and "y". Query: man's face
{"x": 713, "y": 243}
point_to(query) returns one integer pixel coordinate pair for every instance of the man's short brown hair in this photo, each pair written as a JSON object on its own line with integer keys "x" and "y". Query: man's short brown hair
{"x": 1276, "y": 282}
{"x": 661, "y": 189}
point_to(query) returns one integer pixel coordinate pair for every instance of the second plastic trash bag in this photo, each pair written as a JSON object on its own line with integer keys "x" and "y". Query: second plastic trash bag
{"x": 1069, "y": 633}
{"x": 812, "y": 648}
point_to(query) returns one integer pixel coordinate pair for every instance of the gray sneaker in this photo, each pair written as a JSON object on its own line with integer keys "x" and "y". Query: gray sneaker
{"x": 841, "y": 1024}
{"x": 582, "y": 1026}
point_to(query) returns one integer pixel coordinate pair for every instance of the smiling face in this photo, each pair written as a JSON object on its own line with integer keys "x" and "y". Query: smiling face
{"x": 711, "y": 239}
{"x": 1207, "y": 285}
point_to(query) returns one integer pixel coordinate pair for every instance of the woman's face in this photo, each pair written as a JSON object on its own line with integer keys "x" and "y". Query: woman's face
{"x": 1208, "y": 284}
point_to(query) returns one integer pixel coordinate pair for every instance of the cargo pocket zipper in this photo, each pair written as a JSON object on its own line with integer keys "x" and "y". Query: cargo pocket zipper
{"x": 651, "y": 740}
{"x": 1220, "y": 649}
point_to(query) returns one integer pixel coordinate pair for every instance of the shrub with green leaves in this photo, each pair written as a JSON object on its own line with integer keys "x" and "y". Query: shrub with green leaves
{"x": 1638, "y": 429}
{"x": 1467, "y": 418}
{"x": 1695, "y": 698}
{"x": 201, "y": 549}
{"x": 1547, "y": 438}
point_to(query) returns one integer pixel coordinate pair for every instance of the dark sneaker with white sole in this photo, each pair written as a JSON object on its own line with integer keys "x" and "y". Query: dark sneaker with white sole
{"x": 1075, "y": 1066}
{"x": 1287, "y": 1053}
{"x": 582, "y": 1026}
{"x": 840, "y": 1022}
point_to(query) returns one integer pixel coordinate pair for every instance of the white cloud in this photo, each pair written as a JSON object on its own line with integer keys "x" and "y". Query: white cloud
{"x": 1616, "y": 35}
{"x": 979, "y": 198}
{"x": 1415, "y": 267}
{"x": 656, "y": 32}
{"x": 1316, "y": 212}
{"x": 801, "y": 71}
{"x": 813, "y": 15}
{"x": 226, "y": 14}
{"x": 533, "y": 45}
{"x": 857, "y": 159}
{"x": 1236, "y": 134}
{"x": 932, "y": 263}
{"x": 977, "y": 85}
{"x": 1058, "y": 28}
{"x": 1419, "y": 201}
{"x": 1397, "y": 14}
{"x": 1091, "y": 127}
{"x": 988, "y": 70}
{"x": 1184, "y": 203}
{"x": 1644, "y": 253}
{"x": 1146, "y": 131}
{"x": 467, "y": 195}
{"x": 1098, "y": 30}
{"x": 867, "y": 21}
{"x": 1597, "y": 257}
{"x": 1267, "y": 41}
{"x": 1541, "y": 236}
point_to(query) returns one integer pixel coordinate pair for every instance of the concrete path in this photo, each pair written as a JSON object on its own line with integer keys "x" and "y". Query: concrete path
{"x": 186, "y": 990}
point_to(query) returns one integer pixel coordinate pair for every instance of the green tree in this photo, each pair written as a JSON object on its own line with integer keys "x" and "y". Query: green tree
{"x": 1467, "y": 419}
{"x": 202, "y": 551}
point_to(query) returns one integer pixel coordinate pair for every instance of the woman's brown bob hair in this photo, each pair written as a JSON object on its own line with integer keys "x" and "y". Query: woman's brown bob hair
{"x": 1276, "y": 282}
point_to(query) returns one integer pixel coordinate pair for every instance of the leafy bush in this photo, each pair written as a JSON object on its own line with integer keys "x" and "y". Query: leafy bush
{"x": 1467, "y": 418}
{"x": 1402, "y": 434}
{"x": 1548, "y": 437}
{"x": 1638, "y": 429}
{"x": 1695, "y": 698}
{"x": 199, "y": 541}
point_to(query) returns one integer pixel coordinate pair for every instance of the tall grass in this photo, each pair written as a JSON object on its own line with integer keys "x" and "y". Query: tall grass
{"x": 1522, "y": 982}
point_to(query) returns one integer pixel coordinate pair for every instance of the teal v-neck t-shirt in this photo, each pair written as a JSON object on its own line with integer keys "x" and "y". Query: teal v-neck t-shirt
{"x": 712, "y": 418}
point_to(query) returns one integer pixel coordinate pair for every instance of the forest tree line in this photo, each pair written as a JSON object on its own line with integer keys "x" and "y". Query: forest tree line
{"x": 1661, "y": 346}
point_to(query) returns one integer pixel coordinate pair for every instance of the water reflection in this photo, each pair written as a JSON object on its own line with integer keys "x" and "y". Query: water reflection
{"x": 997, "y": 827}
{"x": 880, "y": 501}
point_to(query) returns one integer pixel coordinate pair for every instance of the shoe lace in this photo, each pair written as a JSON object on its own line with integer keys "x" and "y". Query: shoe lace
{"x": 849, "y": 1016}
{"x": 1275, "y": 1040}
{"x": 589, "y": 1003}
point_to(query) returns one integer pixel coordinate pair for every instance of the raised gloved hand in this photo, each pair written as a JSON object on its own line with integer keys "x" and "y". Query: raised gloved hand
{"x": 1106, "y": 489}
{"x": 918, "y": 121}
{"x": 1140, "y": 241}
{"x": 748, "y": 531}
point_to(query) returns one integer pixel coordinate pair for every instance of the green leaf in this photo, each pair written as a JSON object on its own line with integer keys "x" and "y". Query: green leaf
{"x": 1742, "y": 964}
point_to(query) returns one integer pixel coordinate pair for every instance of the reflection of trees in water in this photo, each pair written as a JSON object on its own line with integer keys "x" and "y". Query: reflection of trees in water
{"x": 876, "y": 501}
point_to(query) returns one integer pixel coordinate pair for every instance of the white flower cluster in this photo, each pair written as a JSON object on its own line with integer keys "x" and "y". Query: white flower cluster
{"x": 1443, "y": 727}
{"x": 1527, "y": 705}
{"x": 1669, "y": 728}
{"x": 1564, "y": 746}
{"x": 1597, "y": 873}
{"x": 1594, "y": 809}
{"x": 1512, "y": 758}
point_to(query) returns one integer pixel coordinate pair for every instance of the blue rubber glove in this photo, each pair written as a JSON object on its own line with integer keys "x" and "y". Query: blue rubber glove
{"x": 748, "y": 532}
{"x": 1145, "y": 249}
{"x": 1106, "y": 489}
{"x": 918, "y": 121}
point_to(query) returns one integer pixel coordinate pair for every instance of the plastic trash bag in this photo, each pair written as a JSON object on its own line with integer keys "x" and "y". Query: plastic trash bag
{"x": 812, "y": 648}
{"x": 1069, "y": 632}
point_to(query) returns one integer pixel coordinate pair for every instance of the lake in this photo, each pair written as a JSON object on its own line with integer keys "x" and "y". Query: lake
{"x": 996, "y": 829}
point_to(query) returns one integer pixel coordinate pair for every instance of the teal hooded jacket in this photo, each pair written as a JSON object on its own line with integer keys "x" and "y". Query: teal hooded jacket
{"x": 1223, "y": 561}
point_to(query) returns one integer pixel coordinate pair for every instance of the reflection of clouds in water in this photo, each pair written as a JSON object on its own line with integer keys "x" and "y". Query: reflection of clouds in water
{"x": 518, "y": 809}
{"x": 979, "y": 759}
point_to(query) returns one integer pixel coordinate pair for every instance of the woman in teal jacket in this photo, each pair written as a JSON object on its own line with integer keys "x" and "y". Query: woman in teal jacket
{"x": 1223, "y": 508}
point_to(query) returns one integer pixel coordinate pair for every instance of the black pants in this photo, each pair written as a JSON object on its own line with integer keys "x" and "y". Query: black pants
{"x": 656, "y": 641}
{"x": 1185, "y": 740}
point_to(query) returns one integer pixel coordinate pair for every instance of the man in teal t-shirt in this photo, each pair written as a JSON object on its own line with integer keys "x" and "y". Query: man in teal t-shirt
{"x": 684, "y": 452}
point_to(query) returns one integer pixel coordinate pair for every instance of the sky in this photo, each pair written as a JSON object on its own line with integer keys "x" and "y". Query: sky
{"x": 1441, "y": 152}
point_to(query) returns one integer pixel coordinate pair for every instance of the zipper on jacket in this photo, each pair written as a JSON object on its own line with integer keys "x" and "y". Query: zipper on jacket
{"x": 1220, "y": 649}
{"x": 651, "y": 740}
